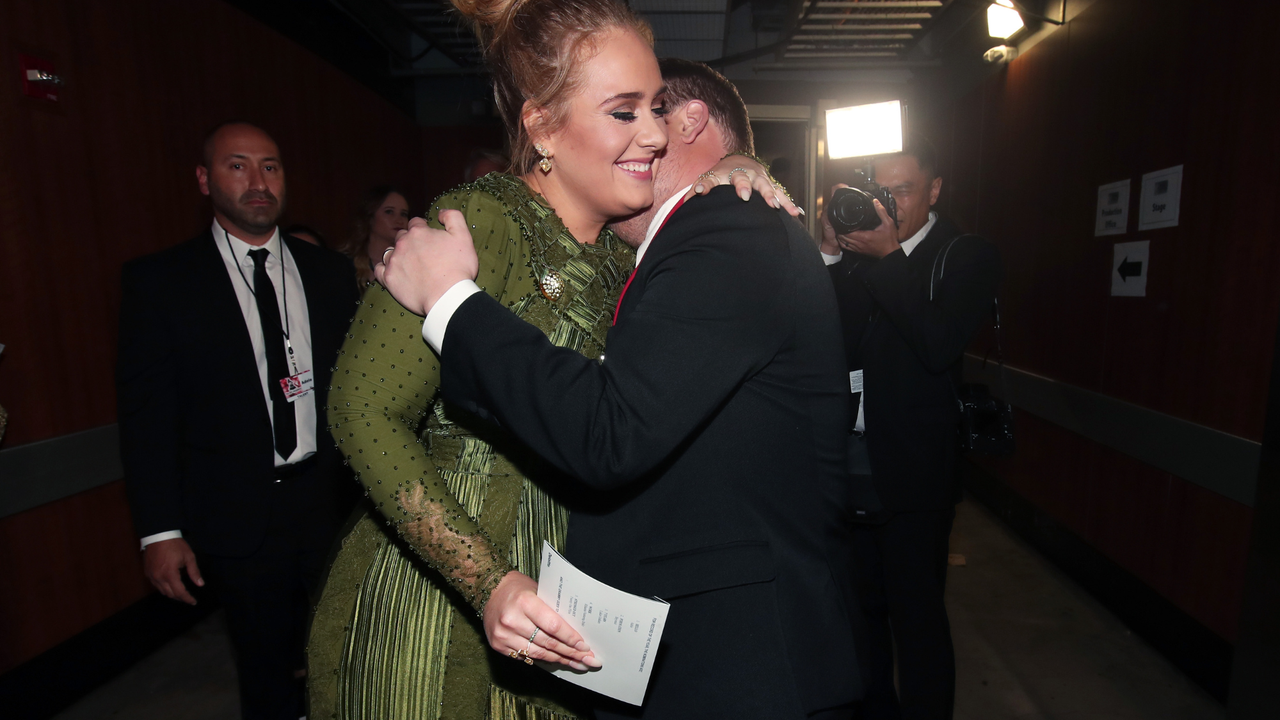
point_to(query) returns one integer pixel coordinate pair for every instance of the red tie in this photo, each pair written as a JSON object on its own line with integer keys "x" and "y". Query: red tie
{"x": 623, "y": 294}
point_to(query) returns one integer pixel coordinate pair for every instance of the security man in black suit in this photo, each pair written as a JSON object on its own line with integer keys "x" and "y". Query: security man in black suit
{"x": 226, "y": 347}
{"x": 703, "y": 438}
{"x": 911, "y": 301}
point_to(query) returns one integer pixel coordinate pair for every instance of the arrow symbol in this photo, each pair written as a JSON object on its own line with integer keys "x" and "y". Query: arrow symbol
{"x": 1129, "y": 269}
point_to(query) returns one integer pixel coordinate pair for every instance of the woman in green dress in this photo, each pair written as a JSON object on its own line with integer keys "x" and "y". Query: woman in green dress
{"x": 458, "y": 510}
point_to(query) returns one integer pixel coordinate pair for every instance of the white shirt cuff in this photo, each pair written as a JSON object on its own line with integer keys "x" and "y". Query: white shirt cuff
{"x": 437, "y": 320}
{"x": 832, "y": 259}
{"x": 170, "y": 535}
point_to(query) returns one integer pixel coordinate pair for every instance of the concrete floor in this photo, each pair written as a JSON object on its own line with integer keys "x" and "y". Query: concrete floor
{"x": 191, "y": 678}
{"x": 1029, "y": 645}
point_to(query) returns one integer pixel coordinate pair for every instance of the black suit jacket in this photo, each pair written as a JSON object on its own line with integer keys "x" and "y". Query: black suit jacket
{"x": 715, "y": 426}
{"x": 195, "y": 435}
{"x": 910, "y": 349}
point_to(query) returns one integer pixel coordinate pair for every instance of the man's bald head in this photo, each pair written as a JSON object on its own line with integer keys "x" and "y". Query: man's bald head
{"x": 244, "y": 179}
{"x": 223, "y": 128}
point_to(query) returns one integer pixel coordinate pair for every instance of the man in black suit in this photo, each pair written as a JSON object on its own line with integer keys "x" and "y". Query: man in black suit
{"x": 228, "y": 469}
{"x": 705, "y": 436}
{"x": 910, "y": 302}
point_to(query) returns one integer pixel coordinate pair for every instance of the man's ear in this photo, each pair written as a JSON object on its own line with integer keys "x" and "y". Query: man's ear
{"x": 934, "y": 189}
{"x": 693, "y": 119}
{"x": 202, "y": 179}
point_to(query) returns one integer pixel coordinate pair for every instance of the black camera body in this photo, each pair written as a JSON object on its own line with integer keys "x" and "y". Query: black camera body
{"x": 851, "y": 208}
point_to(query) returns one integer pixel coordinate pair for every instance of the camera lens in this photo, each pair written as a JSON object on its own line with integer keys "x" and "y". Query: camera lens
{"x": 852, "y": 210}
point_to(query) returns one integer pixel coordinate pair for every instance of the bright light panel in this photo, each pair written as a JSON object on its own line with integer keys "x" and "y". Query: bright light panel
{"x": 1002, "y": 20}
{"x": 864, "y": 130}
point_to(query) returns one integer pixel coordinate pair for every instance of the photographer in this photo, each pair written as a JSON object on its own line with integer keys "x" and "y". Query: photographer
{"x": 911, "y": 300}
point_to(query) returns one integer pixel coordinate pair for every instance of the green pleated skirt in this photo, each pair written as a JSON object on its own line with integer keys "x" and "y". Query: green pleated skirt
{"x": 390, "y": 641}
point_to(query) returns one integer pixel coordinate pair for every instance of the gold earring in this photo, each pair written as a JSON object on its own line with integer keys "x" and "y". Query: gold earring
{"x": 545, "y": 162}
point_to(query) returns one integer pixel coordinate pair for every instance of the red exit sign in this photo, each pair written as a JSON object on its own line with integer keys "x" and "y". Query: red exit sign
{"x": 38, "y": 78}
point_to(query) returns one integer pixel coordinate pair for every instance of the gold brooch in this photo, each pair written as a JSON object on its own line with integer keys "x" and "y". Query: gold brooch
{"x": 551, "y": 285}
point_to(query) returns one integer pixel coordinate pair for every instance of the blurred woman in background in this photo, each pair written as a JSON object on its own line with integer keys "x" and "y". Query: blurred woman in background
{"x": 383, "y": 212}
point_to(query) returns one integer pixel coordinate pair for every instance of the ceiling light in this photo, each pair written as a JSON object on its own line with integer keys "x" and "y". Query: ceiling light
{"x": 1002, "y": 19}
{"x": 864, "y": 130}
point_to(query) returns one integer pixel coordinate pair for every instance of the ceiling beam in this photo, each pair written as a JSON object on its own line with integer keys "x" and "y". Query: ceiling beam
{"x": 858, "y": 65}
{"x": 885, "y": 4}
{"x": 856, "y": 36}
{"x": 859, "y": 54}
{"x": 869, "y": 16}
{"x": 855, "y": 27}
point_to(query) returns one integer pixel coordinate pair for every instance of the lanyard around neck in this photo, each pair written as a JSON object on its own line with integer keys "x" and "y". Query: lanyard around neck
{"x": 284, "y": 287}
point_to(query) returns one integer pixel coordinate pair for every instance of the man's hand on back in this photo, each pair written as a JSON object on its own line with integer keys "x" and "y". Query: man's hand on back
{"x": 163, "y": 561}
{"x": 426, "y": 262}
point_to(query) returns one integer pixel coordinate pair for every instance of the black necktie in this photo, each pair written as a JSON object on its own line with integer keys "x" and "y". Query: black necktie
{"x": 283, "y": 421}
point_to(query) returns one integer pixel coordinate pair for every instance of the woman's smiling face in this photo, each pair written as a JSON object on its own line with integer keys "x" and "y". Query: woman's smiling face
{"x": 603, "y": 156}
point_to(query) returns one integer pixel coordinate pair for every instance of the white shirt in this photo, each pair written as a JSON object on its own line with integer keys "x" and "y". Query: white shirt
{"x": 234, "y": 250}
{"x": 907, "y": 247}
{"x": 660, "y": 217}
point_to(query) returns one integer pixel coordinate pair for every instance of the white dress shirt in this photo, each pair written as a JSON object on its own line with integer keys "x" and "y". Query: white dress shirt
{"x": 659, "y": 218}
{"x": 907, "y": 247}
{"x": 240, "y": 267}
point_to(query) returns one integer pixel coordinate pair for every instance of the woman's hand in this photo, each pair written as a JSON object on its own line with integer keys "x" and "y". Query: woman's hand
{"x": 745, "y": 174}
{"x": 514, "y": 612}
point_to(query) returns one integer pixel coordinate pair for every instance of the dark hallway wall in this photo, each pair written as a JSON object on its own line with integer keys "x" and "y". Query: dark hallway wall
{"x": 107, "y": 174}
{"x": 1124, "y": 89}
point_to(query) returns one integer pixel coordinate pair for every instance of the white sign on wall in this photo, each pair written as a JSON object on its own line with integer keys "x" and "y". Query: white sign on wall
{"x": 1161, "y": 192}
{"x": 1113, "y": 209}
{"x": 1129, "y": 269}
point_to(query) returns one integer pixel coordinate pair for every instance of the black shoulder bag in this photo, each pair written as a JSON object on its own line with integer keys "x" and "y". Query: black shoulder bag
{"x": 986, "y": 423}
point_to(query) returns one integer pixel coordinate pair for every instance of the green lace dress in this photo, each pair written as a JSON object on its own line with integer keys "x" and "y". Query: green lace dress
{"x": 396, "y": 633}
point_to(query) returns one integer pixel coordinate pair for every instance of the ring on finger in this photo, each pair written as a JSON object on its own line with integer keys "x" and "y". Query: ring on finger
{"x": 739, "y": 170}
{"x": 536, "y": 630}
{"x": 709, "y": 176}
{"x": 384, "y": 254}
{"x": 521, "y": 655}
{"x": 525, "y": 652}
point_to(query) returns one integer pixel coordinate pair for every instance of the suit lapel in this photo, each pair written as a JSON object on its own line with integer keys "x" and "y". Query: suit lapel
{"x": 649, "y": 251}
{"x": 322, "y": 314}
{"x": 922, "y": 257}
{"x": 214, "y": 288}
{"x": 311, "y": 288}
{"x": 920, "y": 261}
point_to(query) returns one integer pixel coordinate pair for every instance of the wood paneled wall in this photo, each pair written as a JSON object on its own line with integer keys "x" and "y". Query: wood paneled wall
{"x": 1124, "y": 89}
{"x": 447, "y": 149}
{"x": 107, "y": 174}
{"x": 66, "y": 566}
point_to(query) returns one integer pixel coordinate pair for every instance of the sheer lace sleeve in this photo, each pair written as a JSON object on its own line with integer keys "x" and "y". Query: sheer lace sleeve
{"x": 384, "y": 385}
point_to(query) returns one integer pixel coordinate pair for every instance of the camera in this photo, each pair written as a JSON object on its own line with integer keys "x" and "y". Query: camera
{"x": 851, "y": 208}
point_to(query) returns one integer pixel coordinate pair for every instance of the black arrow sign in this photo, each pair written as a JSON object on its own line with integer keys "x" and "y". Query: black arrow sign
{"x": 1129, "y": 269}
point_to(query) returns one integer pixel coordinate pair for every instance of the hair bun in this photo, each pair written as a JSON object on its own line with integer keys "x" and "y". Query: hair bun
{"x": 489, "y": 18}
{"x": 533, "y": 50}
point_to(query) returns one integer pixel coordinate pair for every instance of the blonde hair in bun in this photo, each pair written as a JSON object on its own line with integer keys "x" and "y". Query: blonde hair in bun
{"x": 532, "y": 49}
